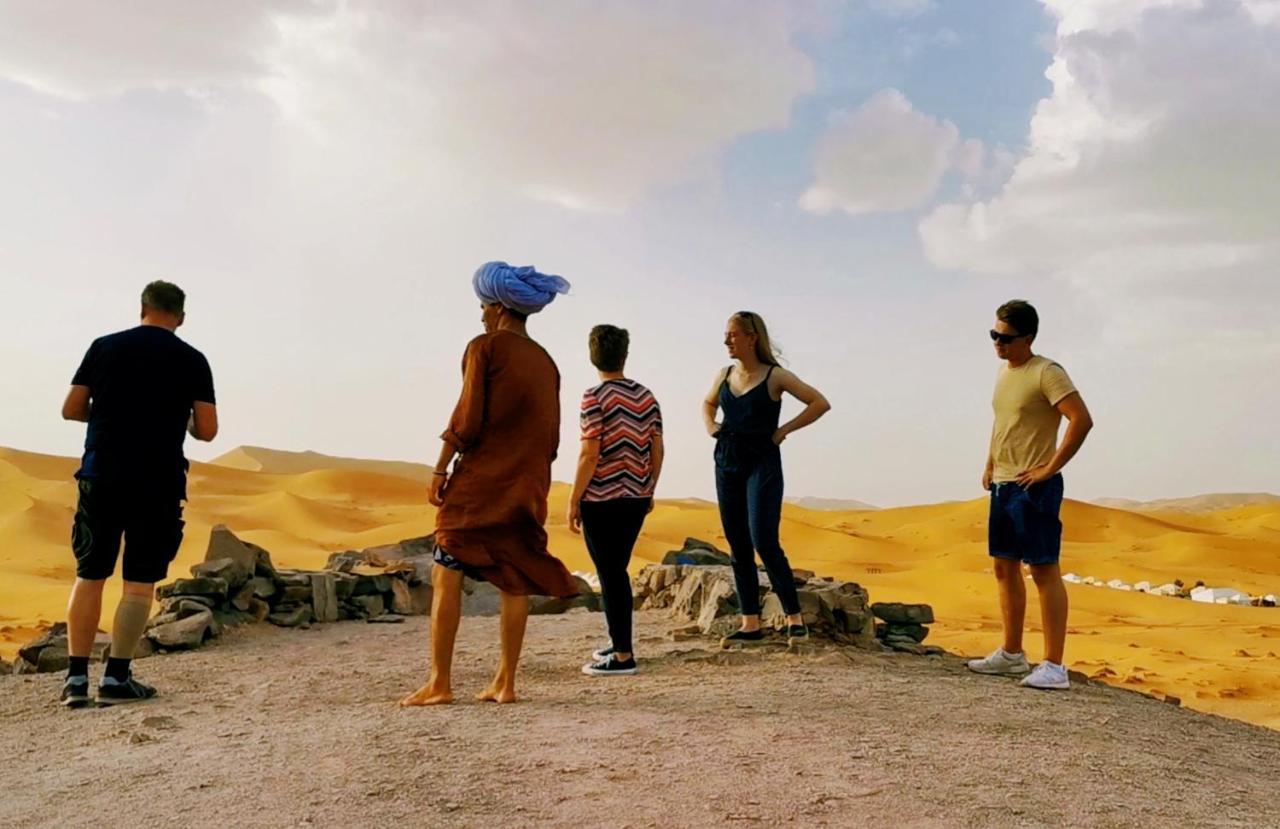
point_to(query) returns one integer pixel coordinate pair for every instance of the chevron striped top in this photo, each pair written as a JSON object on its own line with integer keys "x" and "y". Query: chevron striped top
{"x": 625, "y": 417}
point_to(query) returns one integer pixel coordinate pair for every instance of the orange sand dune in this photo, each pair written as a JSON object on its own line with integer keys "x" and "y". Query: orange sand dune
{"x": 1216, "y": 658}
{"x": 1197, "y": 503}
{"x": 258, "y": 459}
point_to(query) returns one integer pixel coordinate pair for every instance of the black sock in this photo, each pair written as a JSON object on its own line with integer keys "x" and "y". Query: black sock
{"x": 77, "y": 666}
{"x": 118, "y": 669}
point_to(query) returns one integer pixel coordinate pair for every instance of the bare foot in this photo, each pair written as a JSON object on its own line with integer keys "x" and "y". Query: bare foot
{"x": 427, "y": 695}
{"x": 496, "y": 692}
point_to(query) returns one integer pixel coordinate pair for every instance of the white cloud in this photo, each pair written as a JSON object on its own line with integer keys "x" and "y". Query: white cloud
{"x": 586, "y": 105}
{"x": 1155, "y": 153}
{"x": 79, "y": 50}
{"x": 887, "y": 156}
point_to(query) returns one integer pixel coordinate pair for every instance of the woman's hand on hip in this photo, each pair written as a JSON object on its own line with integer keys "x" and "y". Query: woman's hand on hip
{"x": 779, "y": 436}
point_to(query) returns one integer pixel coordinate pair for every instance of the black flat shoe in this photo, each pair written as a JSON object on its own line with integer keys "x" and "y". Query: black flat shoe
{"x": 119, "y": 693}
{"x": 611, "y": 665}
{"x": 75, "y": 692}
{"x": 742, "y": 637}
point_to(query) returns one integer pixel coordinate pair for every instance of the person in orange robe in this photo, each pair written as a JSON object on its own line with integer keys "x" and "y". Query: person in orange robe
{"x": 504, "y": 433}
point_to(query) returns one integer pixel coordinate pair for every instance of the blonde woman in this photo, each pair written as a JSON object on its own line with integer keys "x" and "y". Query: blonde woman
{"x": 748, "y": 397}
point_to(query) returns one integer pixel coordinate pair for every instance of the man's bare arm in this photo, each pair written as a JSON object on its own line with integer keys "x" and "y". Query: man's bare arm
{"x": 76, "y": 406}
{"x": 204, "y": 421}
{"x": 1079, "y": 422}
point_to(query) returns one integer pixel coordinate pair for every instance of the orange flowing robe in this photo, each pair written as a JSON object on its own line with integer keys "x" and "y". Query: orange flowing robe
{"x": 506, "y": 429}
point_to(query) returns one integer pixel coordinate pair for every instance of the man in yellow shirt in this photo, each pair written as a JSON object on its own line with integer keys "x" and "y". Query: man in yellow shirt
{"x": 1024, "y": 476}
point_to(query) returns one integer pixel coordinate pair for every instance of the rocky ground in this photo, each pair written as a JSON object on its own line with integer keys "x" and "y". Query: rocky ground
{"x": 290, "y": 727}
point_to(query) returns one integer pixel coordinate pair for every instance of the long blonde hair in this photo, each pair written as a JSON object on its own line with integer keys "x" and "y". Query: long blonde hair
{"x": 754, "y": 323}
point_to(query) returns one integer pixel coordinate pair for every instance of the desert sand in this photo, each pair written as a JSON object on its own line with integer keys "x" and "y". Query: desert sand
{"x": 303, "y": 506}
{"x": 273, "y": 727}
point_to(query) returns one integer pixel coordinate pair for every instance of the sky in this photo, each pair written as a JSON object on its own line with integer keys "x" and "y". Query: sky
{"x": 874, "y": 177}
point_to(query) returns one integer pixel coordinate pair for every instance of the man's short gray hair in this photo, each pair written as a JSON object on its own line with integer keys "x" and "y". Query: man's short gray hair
{"x": 164, "y": 296}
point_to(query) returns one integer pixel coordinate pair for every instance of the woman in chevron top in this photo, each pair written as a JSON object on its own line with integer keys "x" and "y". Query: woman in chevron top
{"x": 618, "y": 469}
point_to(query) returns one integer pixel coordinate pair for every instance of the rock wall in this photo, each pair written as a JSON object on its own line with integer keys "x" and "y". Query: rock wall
{"x": 704, "y": 595}
{"x": 695, "y": 584}
{"x": 237, "y": 583}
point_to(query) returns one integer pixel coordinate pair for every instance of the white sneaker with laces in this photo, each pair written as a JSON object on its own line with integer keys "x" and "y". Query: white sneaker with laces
{"x": 1048, "y": 677}
{"x": 1001, "y": 663}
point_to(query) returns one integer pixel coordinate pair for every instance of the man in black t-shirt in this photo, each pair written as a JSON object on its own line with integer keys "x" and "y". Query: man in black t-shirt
{"x": 141, "y": 391}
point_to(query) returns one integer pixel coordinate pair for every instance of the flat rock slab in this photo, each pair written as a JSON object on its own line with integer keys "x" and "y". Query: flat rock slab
{"x": 899, "y": 613}
{"x": 185, "y": 633}
{"x": 291, "y": 617}
{"x": 200, "y": 586}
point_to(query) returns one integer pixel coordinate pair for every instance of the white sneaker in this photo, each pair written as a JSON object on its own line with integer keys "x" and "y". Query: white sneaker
{"x": 1000, "y": 663}
{"x": 1048, "y": 677}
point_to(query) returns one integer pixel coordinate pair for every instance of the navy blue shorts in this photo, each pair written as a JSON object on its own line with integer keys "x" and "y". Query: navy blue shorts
{"x": 150, "y": 523}
{"x": 450, "y": 563}
{"x": 1024, "y": 524}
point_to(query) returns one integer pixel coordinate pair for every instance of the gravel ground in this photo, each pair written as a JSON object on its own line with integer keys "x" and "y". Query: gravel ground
{"x": 273, "y": 727}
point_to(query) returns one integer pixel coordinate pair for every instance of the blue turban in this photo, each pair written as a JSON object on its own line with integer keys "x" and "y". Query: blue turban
{"x": 521, "y": 289}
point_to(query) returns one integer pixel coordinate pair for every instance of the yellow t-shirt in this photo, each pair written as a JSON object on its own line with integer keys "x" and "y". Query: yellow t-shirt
{"x": 1025, "y": 434}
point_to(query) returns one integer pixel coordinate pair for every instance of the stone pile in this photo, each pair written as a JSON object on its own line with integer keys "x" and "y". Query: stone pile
{"x": 703, "y": 595}
{"x": 238, "y": 583}
{"x": 48, "y": 652}
{"x": 697, "y": 552}
{"x": 902, "y": 627}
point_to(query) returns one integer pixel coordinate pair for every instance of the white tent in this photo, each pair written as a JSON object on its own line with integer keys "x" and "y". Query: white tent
{"x": 1143, "y": 586}
{"x": 1072, "y": 578}
{"x": 1218, "y": 595}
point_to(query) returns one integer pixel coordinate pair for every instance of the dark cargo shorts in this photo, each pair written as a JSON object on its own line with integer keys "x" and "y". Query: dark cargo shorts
{"x": 150, "y": 523}
{"x": 1024, "y": 523}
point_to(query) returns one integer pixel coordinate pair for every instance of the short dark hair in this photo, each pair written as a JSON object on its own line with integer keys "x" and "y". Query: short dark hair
{"x": 164, "y": 296}
{"x": 1021, "y": 315}
{"x": 609, "y": 345}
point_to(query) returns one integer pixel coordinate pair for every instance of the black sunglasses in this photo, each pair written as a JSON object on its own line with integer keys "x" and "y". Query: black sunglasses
{"x": 1004, "y": 339}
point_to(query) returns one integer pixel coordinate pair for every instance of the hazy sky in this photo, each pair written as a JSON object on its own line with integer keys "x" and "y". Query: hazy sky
{"x": 873, "y": 177}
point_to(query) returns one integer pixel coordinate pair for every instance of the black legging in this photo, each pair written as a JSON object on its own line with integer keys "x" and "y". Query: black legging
{"x": 610, "y": 529}
{"x": 750, "y": 498}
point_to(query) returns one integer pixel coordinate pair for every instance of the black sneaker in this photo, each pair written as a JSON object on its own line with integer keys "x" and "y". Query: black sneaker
{"x": 743, "y": 637}
{"x": 75, "y": 692}
{"x": 797, "y": 633}
{"x": 114, "y": 692}
{"x": 603, "y": 653}
{"x": 611, "y": 665}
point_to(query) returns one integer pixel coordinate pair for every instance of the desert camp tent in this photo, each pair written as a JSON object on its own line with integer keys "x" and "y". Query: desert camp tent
{"x": 1218, "y": 595}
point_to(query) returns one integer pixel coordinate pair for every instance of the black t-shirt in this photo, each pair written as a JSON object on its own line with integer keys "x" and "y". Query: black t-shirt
{"x": 142, "y": 384}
